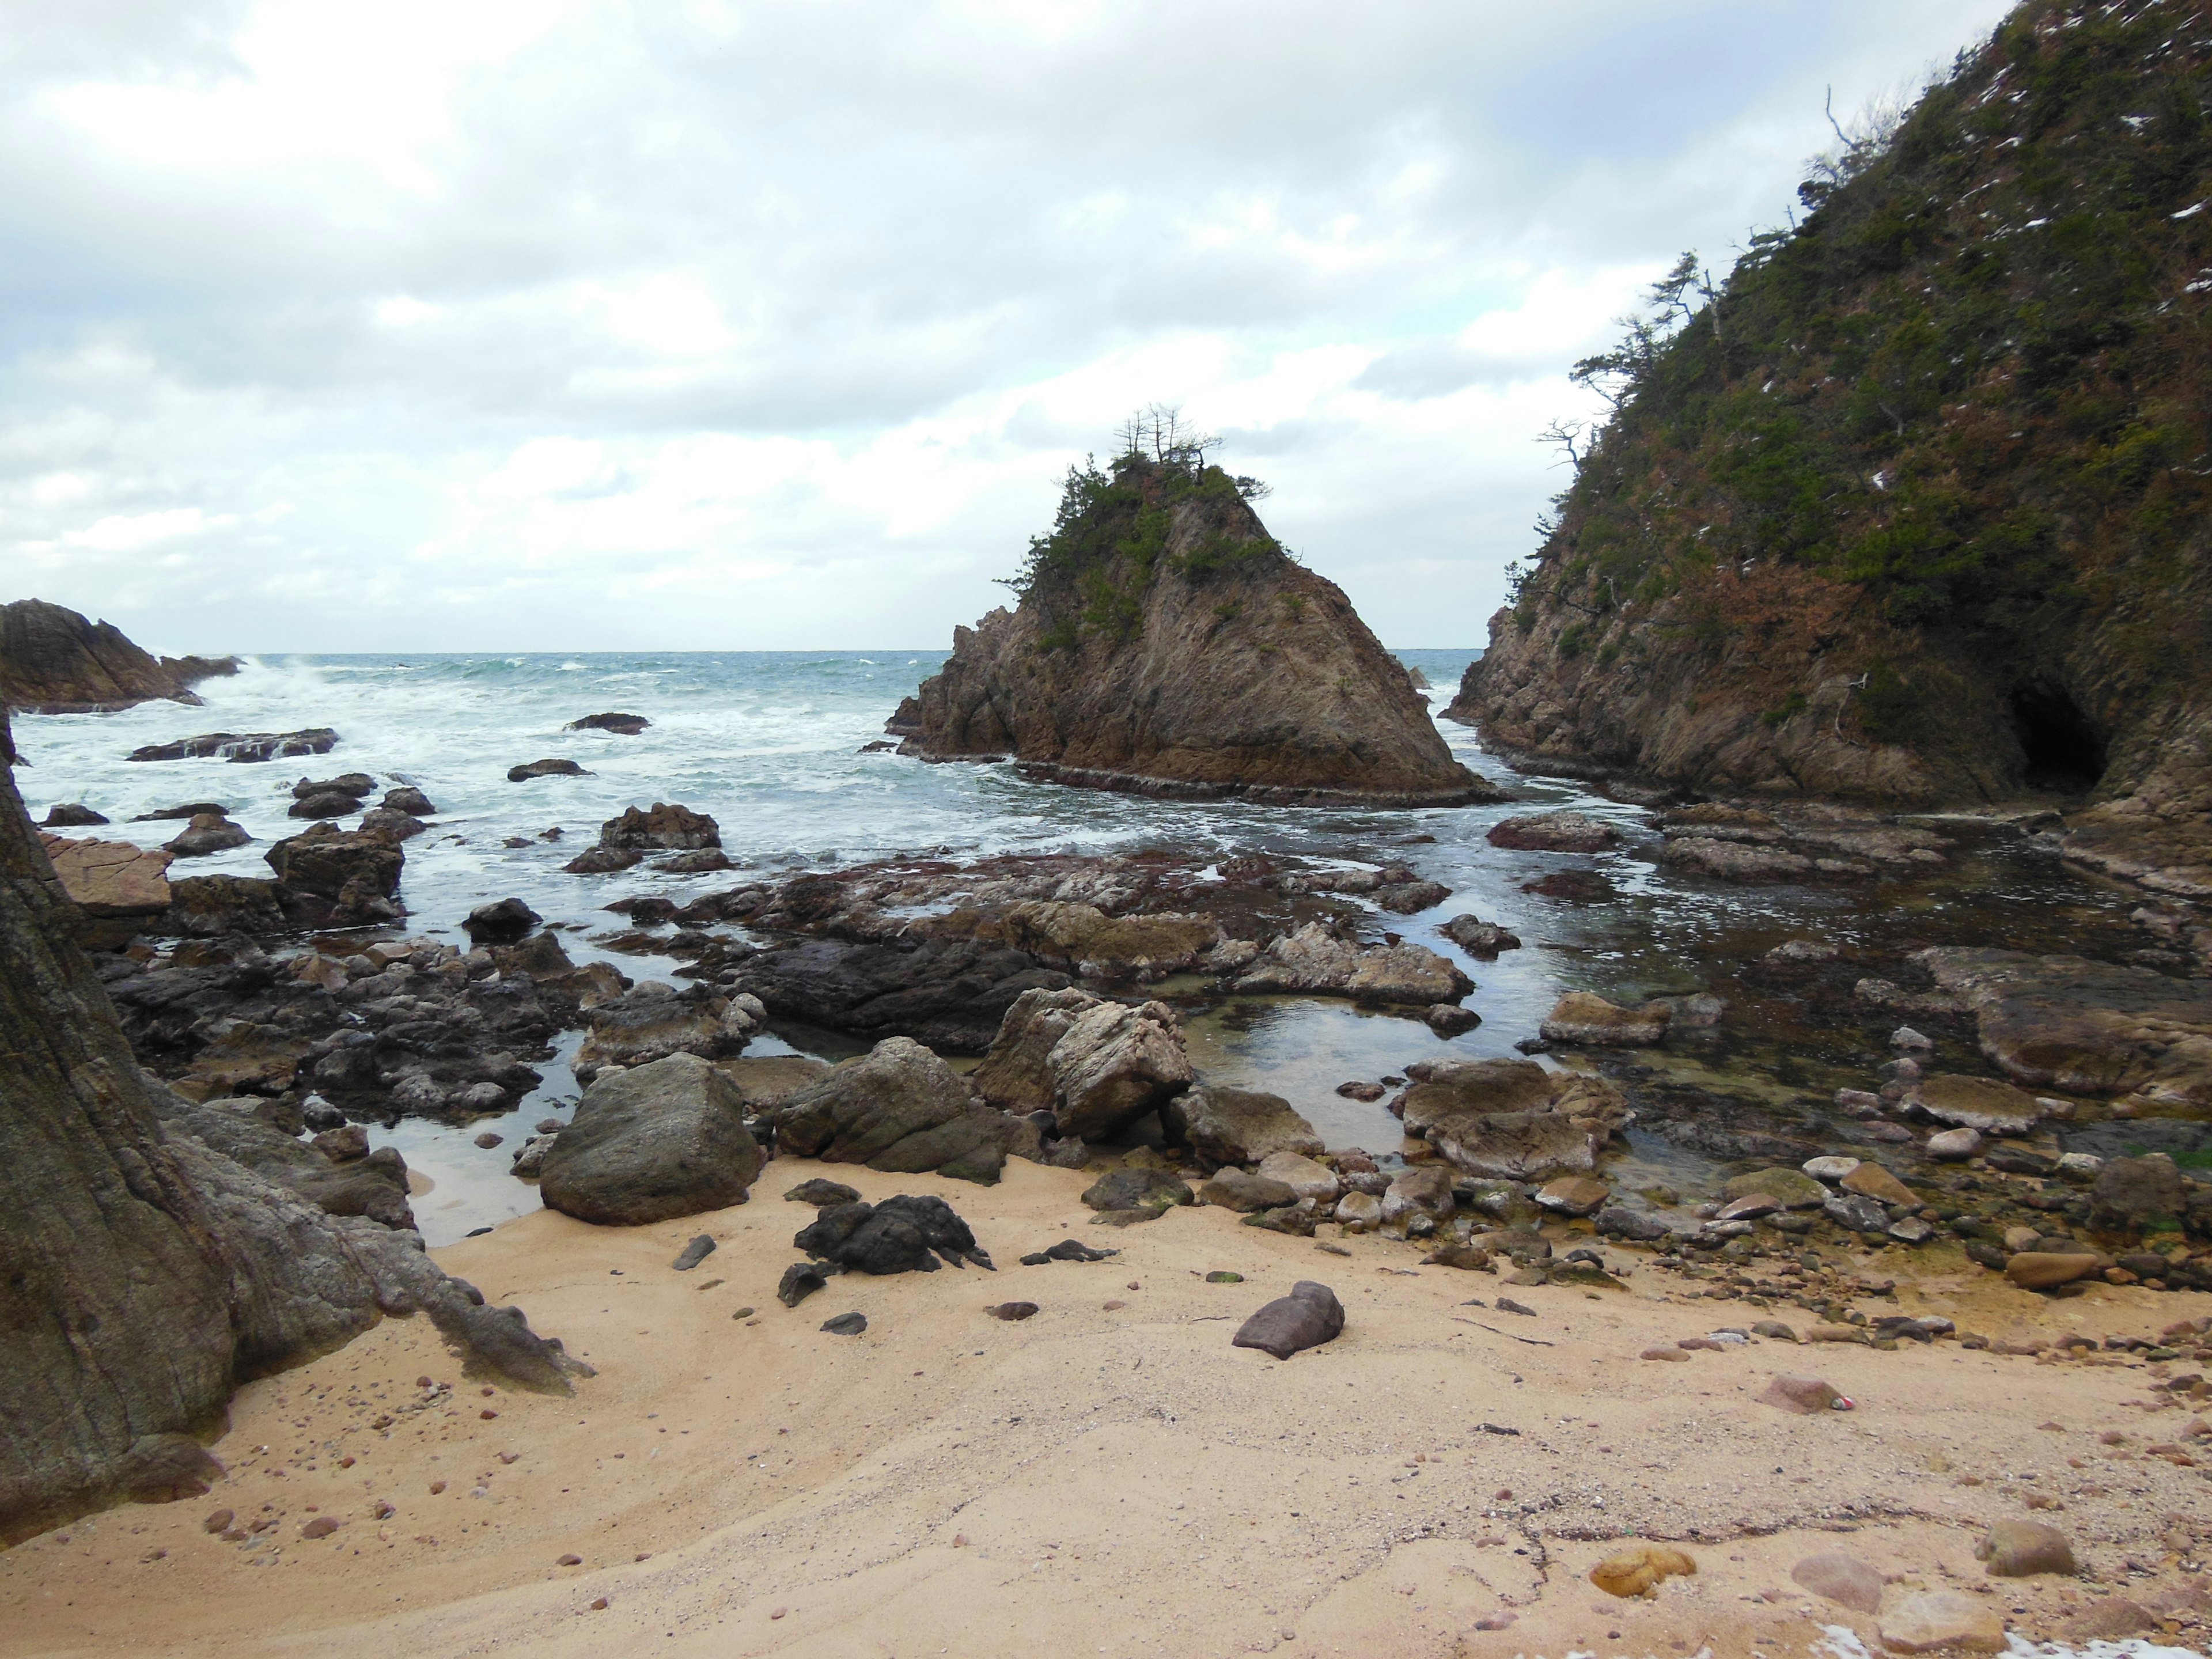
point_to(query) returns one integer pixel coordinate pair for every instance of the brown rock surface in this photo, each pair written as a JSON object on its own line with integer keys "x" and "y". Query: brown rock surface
{"x": 1176, "y": 650}
{"x": 53, "y": 661}
{"x": 110, "y": 878}
{"x": 1939, "y": 1622}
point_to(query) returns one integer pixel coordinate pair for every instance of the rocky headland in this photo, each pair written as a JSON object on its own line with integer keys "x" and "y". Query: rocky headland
{"x": 1166, "y": 644}
{"x": 1907, "y": 512}
{"x": 53, "y": 661}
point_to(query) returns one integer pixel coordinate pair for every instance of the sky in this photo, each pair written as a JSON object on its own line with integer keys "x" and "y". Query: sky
{"x": 558, "y": 325}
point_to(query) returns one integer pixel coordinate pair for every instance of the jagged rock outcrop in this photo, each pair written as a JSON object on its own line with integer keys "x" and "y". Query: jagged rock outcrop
{"x": 1166, "y": 644}
{"x": 54, "y": 661}
{"x": 142, "y": 1273}
{"x": 1911, "y": 511}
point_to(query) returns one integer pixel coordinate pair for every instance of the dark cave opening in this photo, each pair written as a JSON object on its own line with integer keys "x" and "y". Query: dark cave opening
{"x": 2064, "y": 751}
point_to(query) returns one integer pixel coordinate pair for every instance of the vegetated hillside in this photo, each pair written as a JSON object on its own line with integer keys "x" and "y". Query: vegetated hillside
{"x": 1165, "y": 643}
{"x": 1913, "y": 507}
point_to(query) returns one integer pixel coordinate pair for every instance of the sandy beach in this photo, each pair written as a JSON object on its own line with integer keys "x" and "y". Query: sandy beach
{"x": 1111, "y": 1475}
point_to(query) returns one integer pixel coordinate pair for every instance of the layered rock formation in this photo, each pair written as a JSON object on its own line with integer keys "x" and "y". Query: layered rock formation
{"x": 142, "y": 1273}
{"x": 1910, "y": 512}
{"x": 1166, "y": 644}
{"x": 53, "y": 661}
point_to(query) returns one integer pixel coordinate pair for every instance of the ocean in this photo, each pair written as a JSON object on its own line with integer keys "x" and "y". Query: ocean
{"x": 770, "y": 744}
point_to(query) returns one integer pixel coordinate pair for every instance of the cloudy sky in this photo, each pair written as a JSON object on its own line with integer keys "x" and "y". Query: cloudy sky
{"x": 557, "y": 323}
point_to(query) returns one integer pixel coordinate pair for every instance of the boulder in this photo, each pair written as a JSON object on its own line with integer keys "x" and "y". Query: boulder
{"x": 71, "y": 815}
{"x": 603, "y": 860}
{"x": 1942, "y": 1621}
{"x": 338, "y": 877}
{"x": 409, "y": 799}
{"x": 1223, "y": 1125}
{"x": 1233, "y": 1189}
{"x": 1576, "y": 1195}
{"x": 1872, "y": 1181}
{"x": 54, "y": 661}
{"x": 1954, "y": 1145}
{"x": 1099, "y": 1066}
{"x": 626, "y": 726}
{"x": 1843, "y": 1579}
{"x": 1302, "y": 1175}
{"x": 1583, "y": 1017}
{"x": 1792, "y": 1188}
{"x": 503, "y": 921}
{"x": 1732, "y": 860}
{"x": 901, "y": 1235}
{"x": 354, "y": 785}
{"x": 1512, "y": 1120}
{"x": 1315, "y": 961}
{"x": 1309, "y": 1316}
{"x": 327, "y": 804}
{"x": 1450, "y": 1020}
{"x": 2039, "y": 1270}
{"x": 2021, "y": 1549}
{"x": 1479, "y": 938}
{"x": 1114, "y": 1065}
{"x": 110, "y": 879}
{"x": 668, "y": 828}
{"x": 2132, "y": 1196}
{"x": 1423, "y": 1190}
{"x": 1225, "y": 669}
{"x": 391, "y": 826}
{"x": 1801, "y": 1396}
{"x": 213, "y": 907}
{"x": 206, "y": 833}
{"x": 1127, "y": 1189}
{"x": 545, "y": 769}
{"x": 248, "y": 748}
{"x": 890, "y": 1109}
{"x": 1554, "y": 832}
{"x": 1084, "y": 940}
{"x": 648, "y": 1022}
{"x": 1983, "y": 1103}
{"x": 659, "y": 1141}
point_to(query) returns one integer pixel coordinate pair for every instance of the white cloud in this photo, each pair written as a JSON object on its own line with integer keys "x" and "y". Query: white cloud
{"x": 568, "y": 322}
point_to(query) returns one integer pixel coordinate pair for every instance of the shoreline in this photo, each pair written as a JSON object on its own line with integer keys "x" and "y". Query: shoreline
{"x": 1122, "y": 1465}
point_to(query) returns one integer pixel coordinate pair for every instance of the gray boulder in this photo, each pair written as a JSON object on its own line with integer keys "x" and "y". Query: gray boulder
{"x": 1098, "y": 1065}
{"x": 1237, "y": 1125}
{"x": 1512, "y": 1120}
{"x": 900, "y": 1108}
{"x": 1309, "y": 1316}
{"x": 662, "y": 1139}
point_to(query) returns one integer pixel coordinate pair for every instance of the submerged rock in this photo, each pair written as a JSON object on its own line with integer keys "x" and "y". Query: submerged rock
{"x": 1165, "y": 644}
{"x": 247, "y": 747}
{"x": 1584, "y": 1017}
{"x": 545, "y": 769}
{"x": 1554, "y": 832}
{"x": 627, "y": 726}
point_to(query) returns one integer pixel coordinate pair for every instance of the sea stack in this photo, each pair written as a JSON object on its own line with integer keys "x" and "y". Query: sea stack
{"x": 54, "y": 661}
{"x": 1166, "y": 644}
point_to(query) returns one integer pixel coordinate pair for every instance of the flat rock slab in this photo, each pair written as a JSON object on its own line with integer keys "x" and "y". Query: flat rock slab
{"x": 1309, "y": 1316}
{"x": 1843, "y": 1579}
{"x": 2085, "y": 1027}
{"x": 110, "y": 877}
{"x": 1938, "y": 1621}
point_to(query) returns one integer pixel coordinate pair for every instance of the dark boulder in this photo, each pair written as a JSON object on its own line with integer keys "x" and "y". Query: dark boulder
{"x": 1309, "y": 1316}
{"x": 602, "y": 860}
{"x": 209, "y": 832}
{"x": 356, "y": 785}
{"x": 881, "y": 1110}
{"x": 186, "y": 810}
{"x": 503, "y": 921}
{"x": 901, "y": 1235}
{"x": 627, "y": 726}
{"x": 545, "y": 769}
{"x": 657, "y": 1141}
{"x": 1155, "y": 1190}
{"x": 1479, "y": 938}
{"x": 213, "y": 907}
{"x": 669, "y": 828}
{"x": 338, "y": 877}
{"x": 409, "y": 799}
{"x": 330, "y": 804}
{"x": 71, "y": 815}
{"x": 388, "y": 825}
{"x": 821, "y": 1193}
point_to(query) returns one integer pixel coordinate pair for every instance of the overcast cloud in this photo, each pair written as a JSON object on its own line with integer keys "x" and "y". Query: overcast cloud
{"x": 552, "y": 323}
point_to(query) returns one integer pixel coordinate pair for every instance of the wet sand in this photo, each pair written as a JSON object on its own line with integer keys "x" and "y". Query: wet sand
{"x": 1110, "y": 1480}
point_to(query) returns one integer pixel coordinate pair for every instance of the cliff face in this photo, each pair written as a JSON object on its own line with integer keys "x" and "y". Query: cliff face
{"x": 142, "y": 1274}
{"x": 1165, "y": 644}
{"x": 1915, "y": 509}
{"x": 53, "y": 661}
